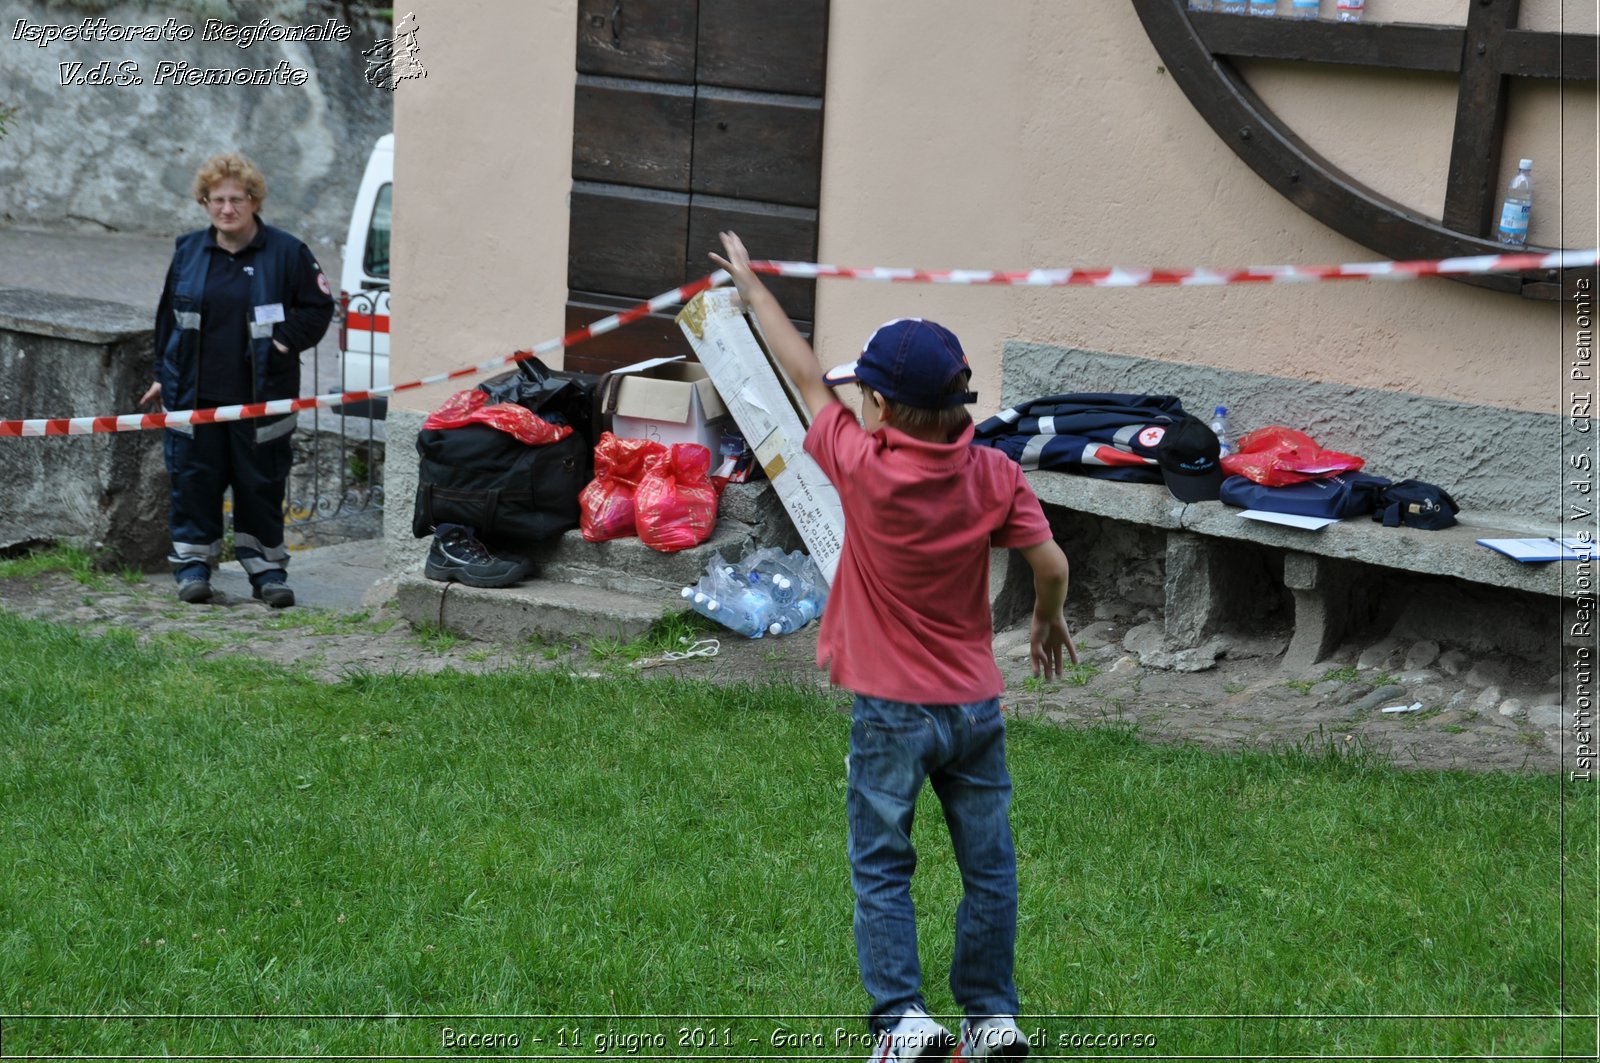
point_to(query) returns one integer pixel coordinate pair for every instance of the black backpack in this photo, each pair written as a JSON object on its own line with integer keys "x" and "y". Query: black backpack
{"x": 1415, "y": 504}
{"x": 512, "y": 494}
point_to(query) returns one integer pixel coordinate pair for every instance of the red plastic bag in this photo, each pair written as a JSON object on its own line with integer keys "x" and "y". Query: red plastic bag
{"x": 469, "y": 407}
{"x": 1277, "y": 456}
{"x": 606, "y": 505}
{"x": 676, "y": 505}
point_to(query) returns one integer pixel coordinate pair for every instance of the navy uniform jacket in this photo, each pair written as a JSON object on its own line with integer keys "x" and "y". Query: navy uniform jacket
{"x": 285, "y": 297}
{"x": 1094, "y": 433}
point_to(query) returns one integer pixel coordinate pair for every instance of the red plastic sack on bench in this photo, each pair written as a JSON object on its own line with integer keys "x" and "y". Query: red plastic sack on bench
{"x": 473, "y": 407}
{"x": 1276, "y": 456}
{"x": 606, "y": 505}
{"x": 676, "y": 504}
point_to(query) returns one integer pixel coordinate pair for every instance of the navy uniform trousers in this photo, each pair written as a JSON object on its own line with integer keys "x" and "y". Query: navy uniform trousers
{"x": 203, "y": 467}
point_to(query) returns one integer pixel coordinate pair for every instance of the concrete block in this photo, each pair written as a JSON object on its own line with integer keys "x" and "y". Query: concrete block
{"x": 1198, "y": 581}
{"x": 1321, "y": 609}
{"x": 62, "y": 356}
{"x": 1010, "y": 588}
{"x": 534, "y": 608}
{"x": 629, "y": 566}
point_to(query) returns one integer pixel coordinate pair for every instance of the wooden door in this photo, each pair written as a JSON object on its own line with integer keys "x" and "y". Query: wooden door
{"x": 691, "y": 116}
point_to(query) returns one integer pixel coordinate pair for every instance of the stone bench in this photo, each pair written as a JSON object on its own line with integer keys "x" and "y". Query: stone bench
{"x": 1491, "y": 459}
{"x": 1317, "y": 566}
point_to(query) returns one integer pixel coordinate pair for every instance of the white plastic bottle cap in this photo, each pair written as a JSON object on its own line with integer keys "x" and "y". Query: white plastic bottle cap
{"x": 1525, "y": 164}
{"x": 775, "y": 628}
{"x": 688, "y": 592}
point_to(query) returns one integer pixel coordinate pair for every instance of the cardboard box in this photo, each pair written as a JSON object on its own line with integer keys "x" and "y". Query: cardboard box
{"x": 668, "y": 400}
{"x": 766, "y": 407}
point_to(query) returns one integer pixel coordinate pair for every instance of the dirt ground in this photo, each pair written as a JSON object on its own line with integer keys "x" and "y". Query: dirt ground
{"x": 1476, "y": 714}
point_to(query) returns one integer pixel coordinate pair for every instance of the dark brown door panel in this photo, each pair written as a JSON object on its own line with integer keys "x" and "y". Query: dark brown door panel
{"x": 652, "y": 39}
{"x": 652, "y": 336}
{"x": 769, "y": 231}
{"x": 632, "y": 132}
{"x": 750, "y": 145}
{"x": 626, "y": 241}
{"x": 767, "y": 45}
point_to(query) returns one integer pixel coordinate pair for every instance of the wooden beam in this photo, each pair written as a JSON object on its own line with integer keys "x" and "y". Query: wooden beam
{"x": 1408, "y": 47}
{"x": 1569, "y": 56}
{"x": 1470, "y": 192}
{"x": 1304, "y": 177}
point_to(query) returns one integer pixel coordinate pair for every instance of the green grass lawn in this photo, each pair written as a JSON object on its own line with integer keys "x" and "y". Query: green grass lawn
{"x": 286, "y": 867}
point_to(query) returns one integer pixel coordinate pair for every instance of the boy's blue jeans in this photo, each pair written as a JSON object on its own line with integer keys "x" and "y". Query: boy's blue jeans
{"x": 961, "y": 750}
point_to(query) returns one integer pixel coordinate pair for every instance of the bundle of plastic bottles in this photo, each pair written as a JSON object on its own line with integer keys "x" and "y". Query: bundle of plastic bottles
{"x": 767, "y": 593}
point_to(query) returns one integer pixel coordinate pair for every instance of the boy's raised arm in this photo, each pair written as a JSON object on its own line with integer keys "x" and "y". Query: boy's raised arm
{"x": 790, "y": 348}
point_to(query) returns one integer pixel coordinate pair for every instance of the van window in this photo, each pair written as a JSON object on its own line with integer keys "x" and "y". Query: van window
{"x": 375, "y": 260}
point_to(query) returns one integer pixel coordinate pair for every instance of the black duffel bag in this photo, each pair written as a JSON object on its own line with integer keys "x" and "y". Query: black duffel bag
{"x": 510, "y": 493}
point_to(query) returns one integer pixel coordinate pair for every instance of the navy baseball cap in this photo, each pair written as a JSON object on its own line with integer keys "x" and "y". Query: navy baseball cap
{"x": 911, "y": 361}
{"x": 1190, "y": 457}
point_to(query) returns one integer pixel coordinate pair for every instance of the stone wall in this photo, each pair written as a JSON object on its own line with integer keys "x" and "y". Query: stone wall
{"x": 72, "y": 357}
{"x": 120, "y": 157}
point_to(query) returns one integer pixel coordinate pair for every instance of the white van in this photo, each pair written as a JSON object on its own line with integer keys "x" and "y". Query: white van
{"x": 364, "y": 282}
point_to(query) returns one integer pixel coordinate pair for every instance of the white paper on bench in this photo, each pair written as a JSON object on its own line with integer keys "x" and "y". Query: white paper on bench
{"x": 1292, "y": 520}
{"x": 1541, "y": 549}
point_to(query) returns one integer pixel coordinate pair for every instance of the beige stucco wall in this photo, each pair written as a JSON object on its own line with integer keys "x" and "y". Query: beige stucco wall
{"x": 483, "y": 165}
{"x": 1009, "y": 134}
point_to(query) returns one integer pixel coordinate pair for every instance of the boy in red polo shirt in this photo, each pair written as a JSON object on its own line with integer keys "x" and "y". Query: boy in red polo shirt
{"x": 908, "y": 630}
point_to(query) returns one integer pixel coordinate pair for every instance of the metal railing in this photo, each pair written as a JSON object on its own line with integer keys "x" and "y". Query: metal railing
{"x": 339, "y": 453}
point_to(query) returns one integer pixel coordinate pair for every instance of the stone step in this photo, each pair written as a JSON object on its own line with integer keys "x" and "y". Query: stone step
{"x": 630, "y": 567}
{"x": 537, "y": 607}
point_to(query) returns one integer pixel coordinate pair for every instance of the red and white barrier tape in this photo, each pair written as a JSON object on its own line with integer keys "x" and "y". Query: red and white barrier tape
{"x": 1138, "y": 277}
{"x": 1116, "y": 277}
{"x": 139, "y": 422}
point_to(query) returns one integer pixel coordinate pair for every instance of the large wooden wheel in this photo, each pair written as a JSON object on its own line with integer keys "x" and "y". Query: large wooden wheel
{"x": 1199, "y": 50}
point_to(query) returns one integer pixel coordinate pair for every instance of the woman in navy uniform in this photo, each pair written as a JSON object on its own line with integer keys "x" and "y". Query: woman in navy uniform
{"x": 242, "y": 300}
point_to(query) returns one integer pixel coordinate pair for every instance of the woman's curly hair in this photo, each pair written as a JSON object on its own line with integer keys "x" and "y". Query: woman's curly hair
{"x": 220, "y": 168}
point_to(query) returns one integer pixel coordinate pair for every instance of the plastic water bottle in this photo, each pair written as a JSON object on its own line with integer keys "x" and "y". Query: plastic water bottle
{"x": 790, "y": 618}
{"x": 1219, "y": 426}
{"x": 723, "y": 596}
{"x": 743, "y": 610}
{"x": 1202, "y": 5}
{"x": 1514, "y": 213}
{"x": 1232, "y": 7}
{"x": 1264, "y": 8}
{"x": 810, "y": 576}
{"x": 1351, "y": 10}
{"x": 1305, "y": 10}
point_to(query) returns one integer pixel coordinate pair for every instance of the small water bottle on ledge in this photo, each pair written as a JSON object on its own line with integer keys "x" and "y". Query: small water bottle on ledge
{"x": 1219, "y": 427}
{"x": 1232, "y": 7}
{"x": 1263, "y": 8}
{"x": 1305, "y": 10}
{"x": 1351, "y": 10}
{"x": 1202, "y": 5}
{"x": 1517, "y": 209}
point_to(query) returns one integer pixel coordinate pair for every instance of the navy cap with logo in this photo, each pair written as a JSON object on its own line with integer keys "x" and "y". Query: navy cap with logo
{"x": 909, "y": 360}
{"x": 1191, "y": 460}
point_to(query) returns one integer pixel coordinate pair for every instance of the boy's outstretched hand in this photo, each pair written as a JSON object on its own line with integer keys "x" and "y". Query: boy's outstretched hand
{"x": 737, "y": 264}
{"x": 790, "y": 348}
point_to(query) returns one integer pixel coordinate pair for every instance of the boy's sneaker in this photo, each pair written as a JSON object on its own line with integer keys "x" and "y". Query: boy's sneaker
{"x": 914, "y": 1037}
{"x": 457, "y": 555}
{"x": 997, "y": 1037}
